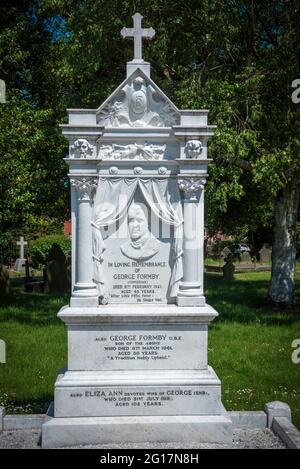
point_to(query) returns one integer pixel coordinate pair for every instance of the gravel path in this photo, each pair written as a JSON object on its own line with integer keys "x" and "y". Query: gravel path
{"x": 242, "y": 439}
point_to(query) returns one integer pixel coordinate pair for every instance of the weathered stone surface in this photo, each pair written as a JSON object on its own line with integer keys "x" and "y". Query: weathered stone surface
{"x": 18, "y": 422}
{"x": 277, "y": 409}
{"x": 289, "y": 434}
{"x": 248, "y": 419}
{"x": 100, "y": 430}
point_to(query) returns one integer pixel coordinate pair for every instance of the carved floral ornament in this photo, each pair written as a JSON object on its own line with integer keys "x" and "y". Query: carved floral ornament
{"x": 84, "y": 186}
{"x": 114, "y": 170}
{"x": 162, "y": 170}
{"x": 81, "y": 149}
{"x": 138, "y": 170}
{"x": 191, "y": 185}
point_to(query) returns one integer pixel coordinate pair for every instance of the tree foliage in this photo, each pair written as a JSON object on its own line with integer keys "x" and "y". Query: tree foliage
{"x": 237, "y": 58}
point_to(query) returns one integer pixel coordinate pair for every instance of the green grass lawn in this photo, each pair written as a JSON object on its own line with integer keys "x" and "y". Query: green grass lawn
{"x": 249, "y": 346}
{"x": 36, "y": 348}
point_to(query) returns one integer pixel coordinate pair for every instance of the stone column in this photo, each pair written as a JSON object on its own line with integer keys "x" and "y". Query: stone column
{"x": 190, "y": 291}
{"x": 85, "y": 292}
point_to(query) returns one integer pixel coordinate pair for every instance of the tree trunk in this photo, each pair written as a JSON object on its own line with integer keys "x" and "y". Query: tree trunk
{"x": 281, "y": 288}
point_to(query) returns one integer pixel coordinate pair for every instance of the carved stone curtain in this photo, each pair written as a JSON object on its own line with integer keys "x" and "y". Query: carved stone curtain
{"x": 112, "y": 200}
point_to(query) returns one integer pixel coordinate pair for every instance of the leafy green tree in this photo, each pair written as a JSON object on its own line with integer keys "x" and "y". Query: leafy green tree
{"x": 246, "y": 81}
{"x": 237, "y": 58}
{"x": 33, "y": 182}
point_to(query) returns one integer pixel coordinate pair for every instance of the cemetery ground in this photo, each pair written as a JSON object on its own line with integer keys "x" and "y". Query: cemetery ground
{"x": 249, "y": 346}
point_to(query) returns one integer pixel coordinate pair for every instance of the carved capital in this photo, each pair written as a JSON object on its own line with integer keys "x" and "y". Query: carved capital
{"x": 191, "y": 186}
{"x": 84, "y": 186}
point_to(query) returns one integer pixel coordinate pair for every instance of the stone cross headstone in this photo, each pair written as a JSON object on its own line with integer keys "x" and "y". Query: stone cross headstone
{"x": 20, "y": 262}
{"x": 138, "y": 33}
{"x": 138, "y": 319}
{"x": 22, "y": 243}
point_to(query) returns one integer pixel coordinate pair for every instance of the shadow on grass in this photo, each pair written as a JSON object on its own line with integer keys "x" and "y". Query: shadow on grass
{"x": 244, "y": 301}
{"x": 31, "y": 308}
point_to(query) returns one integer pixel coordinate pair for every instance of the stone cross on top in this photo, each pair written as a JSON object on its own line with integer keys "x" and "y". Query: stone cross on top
{"x": 138, "y": 33}
{"x": 22, "y": 244}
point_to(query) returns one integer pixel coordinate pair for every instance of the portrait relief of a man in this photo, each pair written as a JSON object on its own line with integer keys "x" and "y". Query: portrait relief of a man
{"x": 142, "y": 245}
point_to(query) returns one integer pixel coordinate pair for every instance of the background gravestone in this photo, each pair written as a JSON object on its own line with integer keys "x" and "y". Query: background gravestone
{"x": 265, "y": 254}
{"x": 57, "y": 270}
{"x": 229, "y": 268}
{"x": 4, "y": 280}
{"x": 225, "y": 253}
{"x": 246, "y": 258}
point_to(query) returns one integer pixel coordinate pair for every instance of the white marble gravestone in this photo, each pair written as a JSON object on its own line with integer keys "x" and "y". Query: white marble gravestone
{"x": 137, "y": 320}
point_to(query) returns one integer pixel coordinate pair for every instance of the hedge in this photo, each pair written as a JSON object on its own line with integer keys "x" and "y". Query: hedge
{"x": 40, "y": 248}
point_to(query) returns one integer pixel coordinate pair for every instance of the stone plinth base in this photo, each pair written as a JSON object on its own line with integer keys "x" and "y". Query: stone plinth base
{"x": 75, "y": 431}
{"x": 121, "y": 393}
{"x": 137, "y": 374}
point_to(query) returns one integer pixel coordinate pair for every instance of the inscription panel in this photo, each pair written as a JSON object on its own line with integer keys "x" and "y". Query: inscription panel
{"x": 137, "y": 282}
{"x": 121, "y": 348}
{"x": 138, "y": 400}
